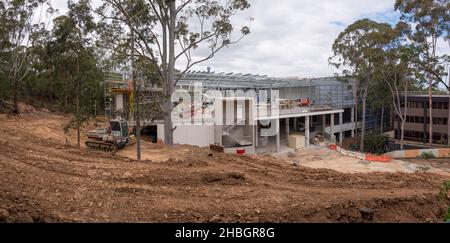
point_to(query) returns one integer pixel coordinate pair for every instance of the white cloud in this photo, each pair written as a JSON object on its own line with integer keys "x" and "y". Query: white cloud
{"x": 291, "y": 37}
{"x": 294, "y": 37}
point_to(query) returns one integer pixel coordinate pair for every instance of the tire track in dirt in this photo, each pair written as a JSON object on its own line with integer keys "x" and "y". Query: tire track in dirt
{"x": 44, "y": 180}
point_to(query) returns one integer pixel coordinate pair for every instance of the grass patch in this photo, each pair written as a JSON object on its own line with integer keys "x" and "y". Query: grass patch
{"x": 443, "y": 195}
{"x": 427, "y": 155}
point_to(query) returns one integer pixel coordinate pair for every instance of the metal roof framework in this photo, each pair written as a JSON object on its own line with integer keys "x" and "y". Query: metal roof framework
{"x": 249, "y": 81}
{"x": 326, "y": 90}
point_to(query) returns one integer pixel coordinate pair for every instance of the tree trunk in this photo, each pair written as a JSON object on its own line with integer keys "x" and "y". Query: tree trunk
{"x": 15, "y": 96}
{"x": 448, "y": 106}
{"x": 430, "y": 102}
{"x": 356, "y": 107}
{"x": 363, "y": 125}
{"x": 168, "y": 106}
{"x": 66, "y": 97}
{"x": 382, "y": 119}
{"x": 391, "y": 117}
{"x": 78, "y": 115}
{"x": 136, "y": 100}
{"x": 402, "y": 134}
{"x": 78, "y": 118}
{"x": 448, "y": 120}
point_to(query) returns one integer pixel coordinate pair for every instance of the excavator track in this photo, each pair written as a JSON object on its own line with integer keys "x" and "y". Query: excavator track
{"x": 101, "y": 146}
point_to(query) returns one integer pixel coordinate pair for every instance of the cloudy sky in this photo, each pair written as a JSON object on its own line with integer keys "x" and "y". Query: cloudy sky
{"x": 291, "y": 37}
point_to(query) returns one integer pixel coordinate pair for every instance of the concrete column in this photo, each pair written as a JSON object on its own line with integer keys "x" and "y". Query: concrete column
{"x": 287, "y": 130}
{"x": 278, "y": 136}
{"x": 353, "y": 122}
{"x": 295, "y": 123}
{"x": 324, "y": 124}
{"x": 332, "y": 129}
{"x": 341, "y": 134}
{"x": 119, "y": 102}
{"x": 256, "y": 135}
{"x": 307, "y": 131}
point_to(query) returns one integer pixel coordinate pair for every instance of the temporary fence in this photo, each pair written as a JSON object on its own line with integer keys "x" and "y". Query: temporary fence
{"x": 361, "y": 156}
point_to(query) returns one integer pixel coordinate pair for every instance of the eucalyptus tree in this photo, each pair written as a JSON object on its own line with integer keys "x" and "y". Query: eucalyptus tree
{"x": 83, "y": 26}
{"x": 430, "y": 22}
{"x": 71, "y": 60}
{"x": 20, "y": 21}
{"x": 3, "y": 61}
{"x": 379, "y": 100}
{"x": 394, "y": 68}
{"x": 168, "y": 33}
{"x": 356, "y": 52}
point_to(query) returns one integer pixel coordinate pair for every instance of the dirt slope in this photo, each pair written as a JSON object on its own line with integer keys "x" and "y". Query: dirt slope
{"x": 44, "y": 180}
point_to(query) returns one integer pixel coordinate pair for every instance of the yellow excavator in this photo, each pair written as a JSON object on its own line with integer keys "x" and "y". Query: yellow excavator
{"x": 111, "y": 139}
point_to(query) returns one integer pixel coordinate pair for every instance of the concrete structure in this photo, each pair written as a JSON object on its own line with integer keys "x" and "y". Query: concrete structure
{"x": 415, "y": 153}
{"x": 258, "y": 113}
{"x": 417, "y": 118}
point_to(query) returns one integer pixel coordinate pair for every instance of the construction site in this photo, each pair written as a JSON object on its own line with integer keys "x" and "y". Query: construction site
{"x": 46, "y": 178}
{"x": 244, "y": 111}
{"x": 224, "y": 111}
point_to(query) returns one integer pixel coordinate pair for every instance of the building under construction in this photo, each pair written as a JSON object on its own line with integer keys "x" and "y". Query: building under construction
{"x": 251, "y": 113}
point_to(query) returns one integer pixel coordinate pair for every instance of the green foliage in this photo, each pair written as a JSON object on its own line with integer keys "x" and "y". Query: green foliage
{"x": 443, "y": 193}
{"x": 375, "y": 143}
{"x": 78, "y": 120}
{"x": 354, "y": 147}
{"x": 4, "y": 87}
{"x": 427, "y": 155}
{"x": 357, "y": 51}
{"x": 20, "y": 30}
{"x": 428, "y": 21}
{"x": 56, "y": 64}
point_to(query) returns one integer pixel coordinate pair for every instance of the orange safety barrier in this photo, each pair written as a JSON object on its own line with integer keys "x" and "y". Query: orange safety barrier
{"x": 378, "y": 158}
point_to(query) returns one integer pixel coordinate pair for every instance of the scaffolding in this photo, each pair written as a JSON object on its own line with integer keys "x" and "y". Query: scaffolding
{"x": 330, "y": 92}
{"x": 326, "y": 91}
{"x": 121, "y": 84}
{"x": 114, "y": 83}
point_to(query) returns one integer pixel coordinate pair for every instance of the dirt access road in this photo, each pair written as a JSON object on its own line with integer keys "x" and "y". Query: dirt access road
{"x": 43, "y": 179}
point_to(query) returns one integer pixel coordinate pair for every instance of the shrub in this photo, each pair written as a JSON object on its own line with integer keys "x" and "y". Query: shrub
{"x": 444, "y": 195}
{"x": 376, "y": 143}
{"x": 427, "y": 155}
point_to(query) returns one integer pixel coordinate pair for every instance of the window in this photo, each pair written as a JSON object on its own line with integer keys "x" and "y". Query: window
{"x": 413, "y": 135}
{"x": 115, "y": 126}
{"x": 440, "y": 121}
{"x": 124, "y": 129}
{"x": 415, "y": 119}
{"x": 440, "y": 105}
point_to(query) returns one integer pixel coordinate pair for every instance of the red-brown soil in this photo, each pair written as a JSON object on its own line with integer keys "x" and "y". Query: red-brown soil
{"x": 44, "y": 178}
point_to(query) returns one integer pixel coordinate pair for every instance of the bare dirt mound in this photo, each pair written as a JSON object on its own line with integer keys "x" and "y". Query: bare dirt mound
{"x": 45, "y": 180}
